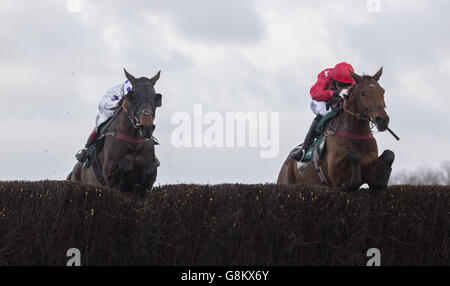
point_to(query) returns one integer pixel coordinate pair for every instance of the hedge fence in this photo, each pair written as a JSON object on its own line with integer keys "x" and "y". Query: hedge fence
{"x": 229, "y": 224}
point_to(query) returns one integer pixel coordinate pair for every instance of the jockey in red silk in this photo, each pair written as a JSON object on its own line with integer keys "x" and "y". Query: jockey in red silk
{"x": 332, "y": 83}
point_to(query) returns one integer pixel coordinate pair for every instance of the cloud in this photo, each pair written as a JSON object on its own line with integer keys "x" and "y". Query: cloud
{"x": 220, "y": 21}
{"x": 228, "y": 56}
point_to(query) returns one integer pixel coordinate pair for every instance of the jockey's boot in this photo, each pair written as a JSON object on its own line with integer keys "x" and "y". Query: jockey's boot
{"x": 300, "y": 151}
{"x": 82, "y": 154}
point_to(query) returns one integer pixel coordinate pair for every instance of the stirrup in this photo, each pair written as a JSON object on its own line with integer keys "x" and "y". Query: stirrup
{"x": 298, "y": 154}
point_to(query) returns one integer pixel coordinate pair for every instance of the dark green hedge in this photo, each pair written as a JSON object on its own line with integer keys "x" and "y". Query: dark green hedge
{"x": 228, "y": 224}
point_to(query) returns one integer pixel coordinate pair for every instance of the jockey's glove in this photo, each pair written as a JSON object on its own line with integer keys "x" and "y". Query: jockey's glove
{"x": 340, "y": 93}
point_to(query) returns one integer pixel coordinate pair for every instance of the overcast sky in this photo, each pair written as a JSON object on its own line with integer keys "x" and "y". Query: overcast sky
{"x": 252, "y": 56}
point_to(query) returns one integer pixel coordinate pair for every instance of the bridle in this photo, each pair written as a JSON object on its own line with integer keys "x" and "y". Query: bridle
{"x": 133, "y": 117}
{"x": 349, "y": 100}
{"x": 131, "y": 112}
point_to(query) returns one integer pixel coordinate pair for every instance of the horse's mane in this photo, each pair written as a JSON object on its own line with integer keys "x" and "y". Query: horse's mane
{"x": 367, "y": 77}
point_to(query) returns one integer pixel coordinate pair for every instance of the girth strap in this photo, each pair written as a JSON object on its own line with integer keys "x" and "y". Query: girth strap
{"x": 96, "y": 166}
{"x": 319, "y": 171}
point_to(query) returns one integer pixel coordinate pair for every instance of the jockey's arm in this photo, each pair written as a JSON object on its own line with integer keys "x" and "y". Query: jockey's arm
{"x": 319, "y": 91}
{"x": 110, "y": 100}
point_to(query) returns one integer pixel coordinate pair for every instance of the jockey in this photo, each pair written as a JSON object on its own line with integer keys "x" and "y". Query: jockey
{"x": 331, "y": 85}
{"x": 108, "y": 101}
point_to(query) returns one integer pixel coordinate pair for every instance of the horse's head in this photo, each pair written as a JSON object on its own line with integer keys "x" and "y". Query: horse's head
{"x": 141, "y": 102}
{"x": 368, "y": 97}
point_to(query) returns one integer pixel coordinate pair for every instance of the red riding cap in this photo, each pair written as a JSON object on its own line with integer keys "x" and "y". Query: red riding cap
{"x": 342, "y": 74}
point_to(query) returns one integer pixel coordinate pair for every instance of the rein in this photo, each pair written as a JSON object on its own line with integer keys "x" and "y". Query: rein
{"x": 130, "y": 115}
{"x": 366, "y": 112}
{"x": 366, "y": 116}
{"x": 124, "y": 137}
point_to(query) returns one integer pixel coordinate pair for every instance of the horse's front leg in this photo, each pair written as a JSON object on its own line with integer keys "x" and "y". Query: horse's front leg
{"x": 354, "y": 182}
{"x": 119, "y": 175}
{"x": 148, "y": 178}
{"x": 380, "y": 170}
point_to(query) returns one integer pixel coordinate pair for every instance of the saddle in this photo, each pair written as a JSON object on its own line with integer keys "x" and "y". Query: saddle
{"x": 95, "y": 148}
{"x": 314, "y": 153}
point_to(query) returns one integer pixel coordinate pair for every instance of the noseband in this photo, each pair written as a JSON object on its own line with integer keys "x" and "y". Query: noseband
{"x": 133, "y": 116}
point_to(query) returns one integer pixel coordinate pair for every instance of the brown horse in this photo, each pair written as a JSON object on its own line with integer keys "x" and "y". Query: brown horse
{"x": 350, "y": 158}
{"x": 127, "y": 160}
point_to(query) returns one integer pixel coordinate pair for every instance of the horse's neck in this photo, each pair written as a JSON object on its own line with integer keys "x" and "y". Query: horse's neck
{"x": 352, "y": 124}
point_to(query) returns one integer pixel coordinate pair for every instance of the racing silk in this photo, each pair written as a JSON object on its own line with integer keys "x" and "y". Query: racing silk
{"x": 109, "y": 100}
{"x": 323, "y": 89}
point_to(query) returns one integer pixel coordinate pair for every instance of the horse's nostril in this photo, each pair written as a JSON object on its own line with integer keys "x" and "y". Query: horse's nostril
{"x": 379, "y": 120}
{"x": 146, "y": 112}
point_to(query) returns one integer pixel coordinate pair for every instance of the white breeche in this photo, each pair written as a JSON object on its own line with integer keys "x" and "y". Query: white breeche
{"x": 319, "y": 107}
{"x": 100, "y": 118}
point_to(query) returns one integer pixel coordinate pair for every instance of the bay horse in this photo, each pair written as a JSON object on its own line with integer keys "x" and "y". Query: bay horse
{"x": 127, "y": 160}
{"x": 350, "y": 157}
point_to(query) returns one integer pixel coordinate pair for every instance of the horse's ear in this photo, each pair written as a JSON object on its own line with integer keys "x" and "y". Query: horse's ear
{"x": 356, "y": 77}
{"x": 378, "y": 74}
{"x": 131, "y": 78}
{"x": 155, "y": 78}
{"x": 158, "y": 99}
